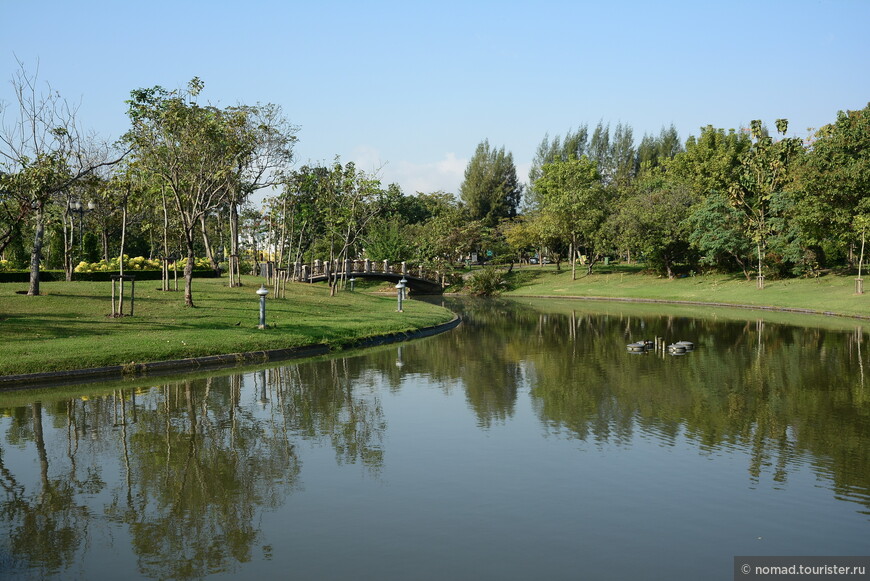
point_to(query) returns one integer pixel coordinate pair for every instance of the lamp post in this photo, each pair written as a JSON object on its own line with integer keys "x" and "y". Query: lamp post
{"x": 262, "y": 292}
{"x": 351, "y": 280}
{"x": 76, "y": 207}
{"x": 400, "y": 293}
{"x": 404, "y": 284}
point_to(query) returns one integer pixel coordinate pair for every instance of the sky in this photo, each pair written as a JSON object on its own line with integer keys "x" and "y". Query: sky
{"x": 407, "y": 90}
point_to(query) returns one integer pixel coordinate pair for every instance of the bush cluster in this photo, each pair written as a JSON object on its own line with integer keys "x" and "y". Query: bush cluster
{"x": 138, "y": 263}
{"x": 486, "y": 282}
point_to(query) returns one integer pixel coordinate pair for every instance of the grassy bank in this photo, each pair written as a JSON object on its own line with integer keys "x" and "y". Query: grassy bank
{"x": 830, "y": 293}
{"x": 67, "y": 327}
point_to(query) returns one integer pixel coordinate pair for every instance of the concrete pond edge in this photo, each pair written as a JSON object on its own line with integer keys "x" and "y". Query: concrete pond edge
{"x": 158, "y": 368}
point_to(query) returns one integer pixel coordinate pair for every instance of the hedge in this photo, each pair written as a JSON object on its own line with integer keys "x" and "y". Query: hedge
{"x": 59, "y": 275}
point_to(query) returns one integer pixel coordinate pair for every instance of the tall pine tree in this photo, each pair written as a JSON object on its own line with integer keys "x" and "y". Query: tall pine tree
{"x": 491, "y": 189}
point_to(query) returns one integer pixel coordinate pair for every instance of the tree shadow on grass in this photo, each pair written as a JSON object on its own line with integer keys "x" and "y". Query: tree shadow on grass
{"x": 519, "y": 278}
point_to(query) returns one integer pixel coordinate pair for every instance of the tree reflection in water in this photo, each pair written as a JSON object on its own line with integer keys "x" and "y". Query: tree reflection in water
{"x": 199, "y": 465}
{"x": 184, "y": 471}
{"x": 786, "y": 392}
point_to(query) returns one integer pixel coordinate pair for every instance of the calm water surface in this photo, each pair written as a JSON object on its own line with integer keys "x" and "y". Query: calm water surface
{"x": 525, "y": 444}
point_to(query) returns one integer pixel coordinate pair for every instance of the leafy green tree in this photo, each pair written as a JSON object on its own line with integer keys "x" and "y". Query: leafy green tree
{"x": 654, "y": 151}
{"x": 447, "y": 237}
{"x": 193, "y": 150}
{"x": 14, "y": 211}
{"x": 350, "y": 205}
{"x": 490, "y": 189}
{"x": 558, "y": 149}
{"x": 623, "y": 157}
{"x": 711, "y": 161}
{"x": 435, "y": 204}
{"x": 599, "y": 150}
{"x": 573, "y": 204}
{"x": 653, "y": 222}
{"x": 715, "y": 230}
{"x": 42, "y": 154}
{"x": 834, "y": 181}
{"x": 763, "y": 174}
{"x": 387, "y": 239}
{"x": 395, "y": 205}
{"x": 520, "y": 237}
{"x": 708, "y": 167}
{"x": 300, "y": 202}
{"x": 269, "y": 139}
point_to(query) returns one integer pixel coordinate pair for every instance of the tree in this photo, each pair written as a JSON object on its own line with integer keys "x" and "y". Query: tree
{"x": 347, "y": 202}
{"x": 715, "y": 230}
{"x": 654, "y": 151}
{"x": 573, "y": 204}
{"x": 14, "y": 211}
{"x": 653, "y": 222}
{"x": 623, "y": 156}
{"x": 490, "y": 189}
{"x": 599, "y": 151}
{"x": 386, "y": 239}
{"x": 834, "y": 180}
{"x": 763, "y": 174}
{"x": 269, "y": 139}
{"x": 520, "y": 238}
{"x": 711, "y": 161}
{"x": 42, "y": 154}
{"x": 193, "y": 150}
{"x": 573, "y": 145}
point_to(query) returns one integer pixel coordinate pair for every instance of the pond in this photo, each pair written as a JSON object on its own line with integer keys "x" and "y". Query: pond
{"x": 526, "y": 443}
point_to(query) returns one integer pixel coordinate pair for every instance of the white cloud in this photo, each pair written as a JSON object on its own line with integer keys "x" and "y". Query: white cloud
{"x": 445, "y": 174}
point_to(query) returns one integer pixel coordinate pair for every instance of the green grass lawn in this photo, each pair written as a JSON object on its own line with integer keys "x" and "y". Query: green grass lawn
{"x": 830, "y": 293}
{"x": 68, "y": 327}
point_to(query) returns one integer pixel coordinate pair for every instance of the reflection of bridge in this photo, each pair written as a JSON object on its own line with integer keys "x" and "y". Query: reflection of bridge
{"x": 418, "y": 278}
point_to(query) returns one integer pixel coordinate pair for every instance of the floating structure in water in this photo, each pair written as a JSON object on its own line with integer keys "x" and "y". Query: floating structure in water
{"x": 658, "y": 345}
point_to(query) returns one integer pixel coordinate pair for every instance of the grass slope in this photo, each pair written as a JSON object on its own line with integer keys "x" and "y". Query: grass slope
{"x": 67, "y": 327}
{"x": 827, "y": 294}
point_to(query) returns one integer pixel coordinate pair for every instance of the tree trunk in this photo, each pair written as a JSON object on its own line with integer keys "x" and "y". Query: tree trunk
{"x": 282, "y": 238}
{"x": 36, "y": 251}
{"x": 165, "y": 243}
{"x": 209, "y": 251}
{"x": 760, "y": 279}
{"x": 573, "y": 261}
{"x": 593, "y": 258}
{"x": 188, "y": 269}
{"x": 123, "y": 237}
{"x": 234, "y": 263}
{"x": 104, "y": 235}
{"x": 747, "y": 271}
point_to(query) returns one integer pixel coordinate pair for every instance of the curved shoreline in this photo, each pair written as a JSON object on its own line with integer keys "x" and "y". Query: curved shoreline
{"x": 157, "y": 368}
{"x": 797, "y": 310}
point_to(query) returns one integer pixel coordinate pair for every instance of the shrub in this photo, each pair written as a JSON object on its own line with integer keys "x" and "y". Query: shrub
{"x": 486, "y": 282}
{"x": 138, "y": 263}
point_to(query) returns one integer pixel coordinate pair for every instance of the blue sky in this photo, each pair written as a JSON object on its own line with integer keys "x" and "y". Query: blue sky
{"x": 410, "y": 88}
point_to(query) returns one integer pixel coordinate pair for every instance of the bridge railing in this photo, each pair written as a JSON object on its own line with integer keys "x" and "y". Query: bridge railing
{"x": 302, "y": 272}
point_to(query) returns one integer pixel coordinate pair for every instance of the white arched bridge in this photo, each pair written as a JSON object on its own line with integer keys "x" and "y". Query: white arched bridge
{"x": 418, "y": 278}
